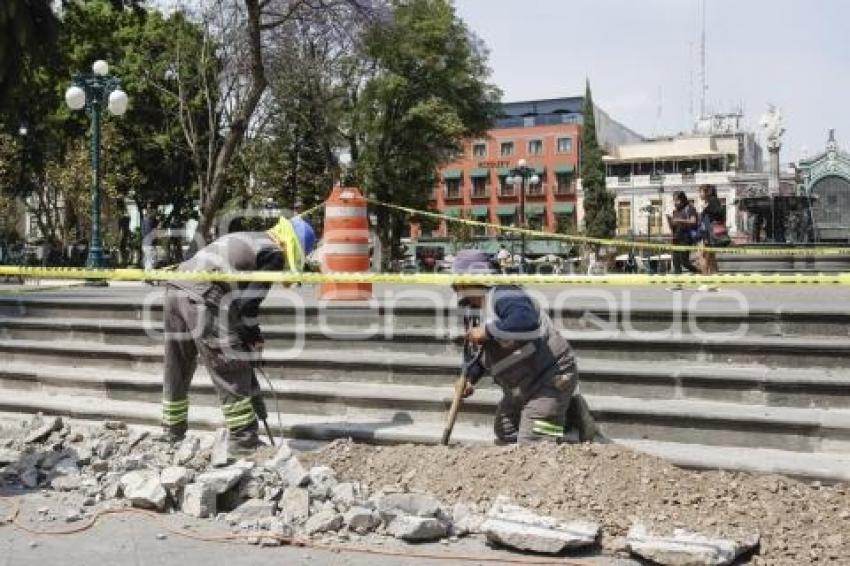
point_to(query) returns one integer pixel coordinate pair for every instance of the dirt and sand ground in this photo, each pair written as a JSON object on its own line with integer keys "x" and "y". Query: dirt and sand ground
{"x": 799, "y": 523}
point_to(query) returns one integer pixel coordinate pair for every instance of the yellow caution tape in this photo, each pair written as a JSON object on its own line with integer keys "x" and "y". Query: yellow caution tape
{"x": 427, "y": 278}
{"x": 659, "y": 246}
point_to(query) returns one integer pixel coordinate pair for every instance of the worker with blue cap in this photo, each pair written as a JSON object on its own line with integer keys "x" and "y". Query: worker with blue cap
{"x": 510, "y": 337}
{"x": 217, "y": 321}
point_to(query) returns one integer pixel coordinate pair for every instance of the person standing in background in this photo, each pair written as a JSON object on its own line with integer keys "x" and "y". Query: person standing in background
{"x": 683, "y": 222}
{"x": 149, "y": 225}
{"x": 712, "y": 223}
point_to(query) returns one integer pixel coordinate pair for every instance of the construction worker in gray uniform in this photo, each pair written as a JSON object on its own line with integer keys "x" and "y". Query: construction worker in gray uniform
{"x": 217, "y": 321}
{"x": 527, "y": 357}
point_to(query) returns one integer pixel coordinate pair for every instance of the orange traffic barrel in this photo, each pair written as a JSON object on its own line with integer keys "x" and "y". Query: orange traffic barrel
{"x": 345, "y": 244}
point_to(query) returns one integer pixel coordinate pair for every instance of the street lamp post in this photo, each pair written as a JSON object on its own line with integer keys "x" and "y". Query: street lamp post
{"x": 23, "y": 131}
{"x": 92, "y": 91}
{"x": 522, "y": 175}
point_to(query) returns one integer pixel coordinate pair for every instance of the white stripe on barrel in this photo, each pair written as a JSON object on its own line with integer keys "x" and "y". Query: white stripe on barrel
{"x": 345, "y": 249}
{"x": 345, "y": 211}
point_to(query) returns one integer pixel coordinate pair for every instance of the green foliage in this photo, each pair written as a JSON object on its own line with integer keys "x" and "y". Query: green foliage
{"x": 28, "y": 30}
{"x": 600, "y": 218}
{"x": 460, "y": 234}
{"x": 428, "y": 93}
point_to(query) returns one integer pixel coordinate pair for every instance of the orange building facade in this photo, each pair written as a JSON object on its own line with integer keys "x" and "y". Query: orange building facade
{"x": 474, "y": 186}
{"x": 544, "y": 133}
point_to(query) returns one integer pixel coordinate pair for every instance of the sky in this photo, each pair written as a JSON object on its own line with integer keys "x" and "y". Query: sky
{"x": 642, "y": 60}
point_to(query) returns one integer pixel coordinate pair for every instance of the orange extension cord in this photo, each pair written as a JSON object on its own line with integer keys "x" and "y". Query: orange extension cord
{"x": 13, "y": 519}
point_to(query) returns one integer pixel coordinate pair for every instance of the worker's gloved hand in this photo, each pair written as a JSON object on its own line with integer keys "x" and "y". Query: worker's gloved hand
{"x": 468, "y": 390}
{"x": 476, "y": 335}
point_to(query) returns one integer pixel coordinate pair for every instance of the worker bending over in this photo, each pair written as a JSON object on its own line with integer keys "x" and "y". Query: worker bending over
{"x": 527, "y": 357}
{"x": 218, "y": 322}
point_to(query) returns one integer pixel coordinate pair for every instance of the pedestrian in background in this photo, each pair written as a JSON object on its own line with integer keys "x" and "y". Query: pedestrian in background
{"x": 149, "y": 225}
{"x": 683, "y": 223}
{"x": 713, "y": 230}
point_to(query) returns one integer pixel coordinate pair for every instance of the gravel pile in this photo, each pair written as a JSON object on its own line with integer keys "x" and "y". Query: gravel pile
{"x": 798, "y": 523}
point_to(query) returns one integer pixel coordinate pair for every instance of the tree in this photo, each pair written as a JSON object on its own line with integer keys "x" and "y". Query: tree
{"x": 600, "y": 219}
{"x": 28, "y": 33}
{"x": 427, "y": 92}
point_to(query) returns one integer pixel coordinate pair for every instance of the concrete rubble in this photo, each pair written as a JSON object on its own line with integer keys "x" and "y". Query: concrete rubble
{"x": 516, "y": 527}
{"x": 278, "y": 498}
{"x": 686, "y": 549}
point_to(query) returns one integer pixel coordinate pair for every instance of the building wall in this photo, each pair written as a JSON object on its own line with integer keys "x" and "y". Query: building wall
{"x": 494, "y": 162}
{"x": 523, "y": 121}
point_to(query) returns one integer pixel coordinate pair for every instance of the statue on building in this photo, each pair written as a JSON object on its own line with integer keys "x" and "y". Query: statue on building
{"x": 773, "y": 124}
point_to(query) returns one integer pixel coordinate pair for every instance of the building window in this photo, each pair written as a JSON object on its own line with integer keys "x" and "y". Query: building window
{"x": 535, "y": 222}
{"x": 535, "y": 189}
{"x": 479, "y": 187}
{"x": 565, "y": 145}
{"x": 479, "y": 150}
{"x": 506, "y": 219}
{"x": 507, "y": 149}
{"x": 506, "y": 189}
{"x": 624, "y": 218}
{"x": 452, "y": 188}
{"x": 535, "y": 147}
{"x": 563, "y": 183}
{"x": 655, "y": 214}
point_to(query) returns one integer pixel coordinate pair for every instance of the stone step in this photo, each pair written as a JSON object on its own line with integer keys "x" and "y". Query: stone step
{"x": 751, "y": 385}
{"x": 681, "y": 315}
{"x": 693, "y": 421}
{"x": 810, "y": 466}
{"x": 776, "y": 351}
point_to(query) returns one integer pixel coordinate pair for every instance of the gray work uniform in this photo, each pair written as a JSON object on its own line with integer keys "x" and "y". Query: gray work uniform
{"x": 217, "y": 321}
{"x": 531, "y": 362}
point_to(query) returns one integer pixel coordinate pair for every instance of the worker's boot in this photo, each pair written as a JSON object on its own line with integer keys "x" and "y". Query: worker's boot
{"x": 244, "y": 442}
{"x": 172, "y": 434}
{"x": 580, "y": 418}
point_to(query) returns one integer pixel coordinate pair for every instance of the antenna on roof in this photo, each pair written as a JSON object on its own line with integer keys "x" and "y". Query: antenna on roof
{"x": 703, "y": 85}
{"x": 659, "y": 112}
{"x": 691, "y": 115}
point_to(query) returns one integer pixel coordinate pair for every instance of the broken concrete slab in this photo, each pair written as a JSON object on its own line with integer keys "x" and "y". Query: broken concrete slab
{"x": 683, "y": 548}
{"x": 517, "y": 527}
{"x": 322, "y": 481}
{"x": 40, "y": 428}
{"x": 293, "y": 473}
{"x": 187, "y": 450}
{"x": 295, "y": 504}
{"x": 466, "y": 519}
{"x": 361, "y": 520}
{"x": 283, "y": 454}
{"x": 220, "y": 449}
{"x": 174, "y": 478}
{"x": 199, "y": 500}
{"x": 323, "y": 522}
{"x": 252, "y": 510}
{"x": 143, "y": 489}
{"x": 417, "y": 504}
{"x": 344, "y": 495}
{"x": 222, "y": 479}
{"x": 417, "y": 529}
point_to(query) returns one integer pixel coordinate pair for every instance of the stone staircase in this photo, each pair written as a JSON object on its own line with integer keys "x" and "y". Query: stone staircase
{"x": 773, "y": 395}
